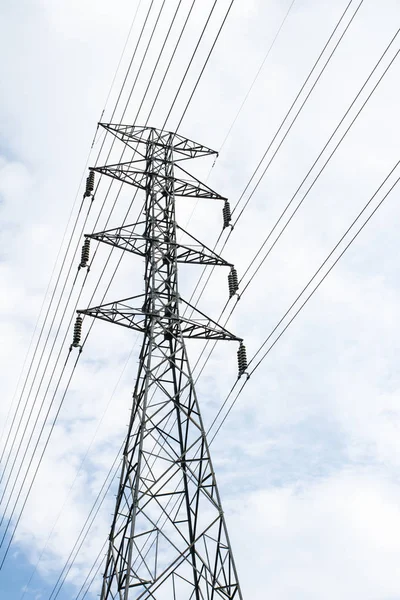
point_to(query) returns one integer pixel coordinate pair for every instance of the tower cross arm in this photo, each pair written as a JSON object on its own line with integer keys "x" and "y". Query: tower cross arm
{"x": 135, "y": 134}
{"x": 125, "y": 313}
{"x": 189, "y": 186}
{"x": 190, "y": 250}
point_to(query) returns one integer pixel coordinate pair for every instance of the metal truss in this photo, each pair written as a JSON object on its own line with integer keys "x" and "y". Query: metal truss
{"x": 193, "y": 253}
{"x": 168, "y": 538}
{"x": 123, "y": 313}
{"x": 132, "y": 135}
{"x": 130, "y": 172}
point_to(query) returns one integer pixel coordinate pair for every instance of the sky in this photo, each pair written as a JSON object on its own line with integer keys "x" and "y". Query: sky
{"x": 307, "y": 460}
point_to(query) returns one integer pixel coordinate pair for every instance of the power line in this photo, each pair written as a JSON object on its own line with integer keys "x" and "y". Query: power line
{"x": 152, "y": 107}
{"x": 121, "y": 57}
{"x": 43, "y": 427}
{"x": 33, "y": 479}
{"x": 145, "y": 54}
{"x": 277, "y": 133}
{"x": 205, "y": 64}
{"x": 132, "y": 60}
{"x": 190, "y": 63}
{"x": 243, "y": 104}
{"x": 80, "y": 468}
{"x": 320, "y": 154}
{"x": 86, "y": 526}
{"x": 305, "y": 301}
{"x": 57, "y": 282}
{"x": 66, "y": 306}
{"x": 43, "y": 375}
{"x": 352, "y": 122}
{"x": 172, "y": 57}
{"x": 293, "y": 197}
{"x": 39, "y": 316}
{"x": 159, "y": 56}
{"x": 96, "y": 571}
{"x": 301, "y": 106}
{"x": 256, "y": 76}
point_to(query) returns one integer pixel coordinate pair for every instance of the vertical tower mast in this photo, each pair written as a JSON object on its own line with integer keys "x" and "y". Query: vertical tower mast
{"x": 168, "y": 537}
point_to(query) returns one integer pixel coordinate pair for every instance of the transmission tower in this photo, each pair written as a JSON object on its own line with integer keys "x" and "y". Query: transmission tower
{"x": 168, "y": 537}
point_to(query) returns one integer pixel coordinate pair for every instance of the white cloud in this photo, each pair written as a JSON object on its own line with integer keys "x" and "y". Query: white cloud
{"x": 317, "y": 541}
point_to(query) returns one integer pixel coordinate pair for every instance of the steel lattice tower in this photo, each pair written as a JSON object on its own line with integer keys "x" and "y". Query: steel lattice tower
{"x": 168, "y": 537}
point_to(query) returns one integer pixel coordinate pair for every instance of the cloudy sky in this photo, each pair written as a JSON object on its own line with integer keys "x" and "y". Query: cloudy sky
{"x": 308, "y": 458}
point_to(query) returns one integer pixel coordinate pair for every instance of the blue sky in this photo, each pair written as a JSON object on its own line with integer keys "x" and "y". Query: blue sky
{"x": 307, "y": 460}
